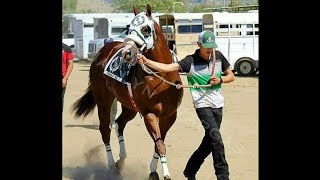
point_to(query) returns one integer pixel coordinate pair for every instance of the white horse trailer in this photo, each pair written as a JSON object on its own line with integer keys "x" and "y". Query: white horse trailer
{"x": 237, "y": 37}
{"x": 112, "y": 28}
{"x": 181, "y": 31}
{"x": 81, "y": 28}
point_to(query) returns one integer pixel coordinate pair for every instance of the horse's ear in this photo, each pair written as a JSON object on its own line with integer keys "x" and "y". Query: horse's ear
{"x": 148, "y": 10}
{"x": 135, "y": 10}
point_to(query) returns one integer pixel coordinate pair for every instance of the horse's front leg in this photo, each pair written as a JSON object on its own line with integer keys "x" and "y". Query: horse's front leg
{"x": 153, "y": 167}
{"x": 152, "y": 123}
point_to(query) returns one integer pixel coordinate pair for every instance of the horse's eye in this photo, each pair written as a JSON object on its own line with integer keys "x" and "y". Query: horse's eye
{"x": 146, "y": 31}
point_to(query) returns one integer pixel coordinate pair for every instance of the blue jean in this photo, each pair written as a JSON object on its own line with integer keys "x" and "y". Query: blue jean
{"x": 211, "y": 143}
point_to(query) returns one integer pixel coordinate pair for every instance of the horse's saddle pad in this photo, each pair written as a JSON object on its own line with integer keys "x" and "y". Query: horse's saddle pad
{"x": 117, "y": 68}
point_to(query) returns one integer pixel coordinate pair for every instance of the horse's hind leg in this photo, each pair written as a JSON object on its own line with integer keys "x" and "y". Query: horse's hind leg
{"x": 152, "y": 124}
{"x": 104, "y": 101}
{"x": 125, "y": 116}
{"x": 104, "y": 117}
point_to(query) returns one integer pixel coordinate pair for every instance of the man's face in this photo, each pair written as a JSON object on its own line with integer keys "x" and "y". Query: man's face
{"x": 205, "y": 52}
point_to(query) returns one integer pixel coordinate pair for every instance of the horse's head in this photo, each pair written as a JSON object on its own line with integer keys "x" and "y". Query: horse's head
{"x": 141, "y": 36}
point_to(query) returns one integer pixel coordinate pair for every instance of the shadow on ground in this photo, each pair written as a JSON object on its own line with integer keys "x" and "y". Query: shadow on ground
{"x": 96, "y": 169}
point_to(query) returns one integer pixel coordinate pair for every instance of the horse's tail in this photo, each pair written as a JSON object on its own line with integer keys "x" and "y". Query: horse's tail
{"x": 84, "y": 105}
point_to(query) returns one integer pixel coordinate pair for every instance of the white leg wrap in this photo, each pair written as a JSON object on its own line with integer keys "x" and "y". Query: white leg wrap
{"x": 122, "y": 153}
{"x": 164, "y": 166}
{"x": 110, "y": 156}
{"x": 154, "y": 162}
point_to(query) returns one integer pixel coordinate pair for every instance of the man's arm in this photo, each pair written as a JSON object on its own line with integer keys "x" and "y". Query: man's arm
{"x": 161, "y": 67}
{"x": 69, "y": 69}
{"x": 229, "y": 76}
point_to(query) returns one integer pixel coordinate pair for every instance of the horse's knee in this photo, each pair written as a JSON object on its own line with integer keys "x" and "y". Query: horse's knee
{"x": 160, "y": 147}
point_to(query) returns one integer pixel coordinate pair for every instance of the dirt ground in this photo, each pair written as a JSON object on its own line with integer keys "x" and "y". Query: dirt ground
{"x": 84, "y": 155}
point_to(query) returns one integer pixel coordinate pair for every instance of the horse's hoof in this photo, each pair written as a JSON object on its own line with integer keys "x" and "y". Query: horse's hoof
{"x": 120, "y": 164}
{"x": 167, "y": 177}
{"x": 154, "y": 176}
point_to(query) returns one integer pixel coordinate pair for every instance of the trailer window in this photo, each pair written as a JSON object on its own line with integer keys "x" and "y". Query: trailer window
{"x": 196, "y": 28}
{"x": 70, "y": 35}
{"x": 88, "y": 25}
{"x": 164, "y": 29}
{"x": 185, "y": 29}
{"x": 256, "y": 29}
{"x": 222, "y": 30}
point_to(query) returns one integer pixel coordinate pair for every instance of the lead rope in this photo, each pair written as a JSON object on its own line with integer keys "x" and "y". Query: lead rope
{"x": 178, "y": 86}
{"x": 149, "y": 71}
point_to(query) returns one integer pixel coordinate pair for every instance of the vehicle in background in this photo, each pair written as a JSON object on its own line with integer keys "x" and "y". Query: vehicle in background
{"x": 80, "y": 27}
{"x": 181, "y": 31}
{"x": 237, "y": 37}
{"x": 96, "y": 44}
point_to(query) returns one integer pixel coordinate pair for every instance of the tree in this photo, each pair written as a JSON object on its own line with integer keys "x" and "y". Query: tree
{"x": 163, "y": 6}
{"x": 234, "y": 3}
{"x": 69, "y": 6}
{"x": 200, "y": 8}
{"x": 179, "y": 8}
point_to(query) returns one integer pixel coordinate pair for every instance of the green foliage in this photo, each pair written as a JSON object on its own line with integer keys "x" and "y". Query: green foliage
{"x": 234, "y": 3}
{"x": 181, "y": 8}
{"x": 86, "y": 11}
{"x": 200, "y": 8}
{"x": 164, "y": 6}
{"x": 69, "y": 6}
{"x": 251, "y": 3}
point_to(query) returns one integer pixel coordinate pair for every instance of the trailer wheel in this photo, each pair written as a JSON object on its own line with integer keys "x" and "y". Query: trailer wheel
{"x": 245, "y": 68}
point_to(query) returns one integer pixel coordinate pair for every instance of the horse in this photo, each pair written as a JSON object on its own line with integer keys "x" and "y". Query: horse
{"x": 155, "y": 100}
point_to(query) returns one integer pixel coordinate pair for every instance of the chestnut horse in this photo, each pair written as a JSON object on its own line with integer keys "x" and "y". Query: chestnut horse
{"x": 155, "y": 100}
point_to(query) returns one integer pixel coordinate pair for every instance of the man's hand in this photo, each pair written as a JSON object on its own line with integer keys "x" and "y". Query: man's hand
{"x": 64, "y": 82}
{"x": 214, "y": 80}
{"x": 142, "y": 59}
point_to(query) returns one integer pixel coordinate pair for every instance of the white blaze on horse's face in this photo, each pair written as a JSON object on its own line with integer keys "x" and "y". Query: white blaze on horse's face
{"x": 141, "y": 30}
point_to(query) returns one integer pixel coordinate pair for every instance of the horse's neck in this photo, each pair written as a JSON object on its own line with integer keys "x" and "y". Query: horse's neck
{"x": 159, "y": 54}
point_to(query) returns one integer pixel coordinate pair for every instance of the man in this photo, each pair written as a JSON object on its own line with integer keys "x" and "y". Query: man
{"x": 67, "y": 65}
{"x": 208, "y": 102}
